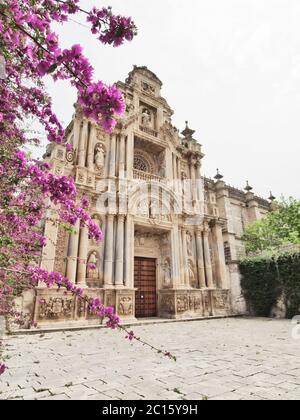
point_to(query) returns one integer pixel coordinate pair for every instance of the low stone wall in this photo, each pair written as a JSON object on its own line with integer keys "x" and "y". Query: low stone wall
{"x": 53, "y": 306}
{"x": 194, "y": 303}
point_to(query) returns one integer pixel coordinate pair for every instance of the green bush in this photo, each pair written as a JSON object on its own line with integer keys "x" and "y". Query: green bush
{"x": 266, "y": 279}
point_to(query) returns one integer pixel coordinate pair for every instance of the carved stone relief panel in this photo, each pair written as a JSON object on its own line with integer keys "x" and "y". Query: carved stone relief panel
{"x": 221, "y": 301}
{"x": 58, "y": 170}
{"x": 182, "y": 302}
{"x": 60, "y": 153}
{"x": 125, "y": 307}
{"x": 147, "y": 88}
{"x": 146, "y": 240}
{"x": 56, "y": 308}
{"x": 81, "y": 176}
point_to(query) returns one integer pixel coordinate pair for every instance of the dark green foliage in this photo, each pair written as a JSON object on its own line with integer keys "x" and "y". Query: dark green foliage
{"x": 265, "y": 280}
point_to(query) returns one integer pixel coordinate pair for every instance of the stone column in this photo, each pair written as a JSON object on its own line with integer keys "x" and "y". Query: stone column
{"x": 175, "y": 256}
{"x": 200, "y": 186}
{"x": 122, "y": 157}
{"x": 185, "y": 258}
{"x": 207, "y": 258}
{"x": 119, "y": 278}
{"x": 83, "y": 144}
{"x": 76, "y": 130}
{"x": 129, "y": 252}
{"x": 181, "y": 265}
{"x": 252, "y": 209}
{"x": 83, "y": 250}
{"x": 91, "y": 148}
{"x": 112, "y": 163}
{"x": 220, "y": 256}
{"x": 73, "y": 254}
{"x": 193, "y": 181}
{"x": 174, "y": 166}
{"x": 178, "y": 169}
{"x": 169, "y": 164}
{"x": 129, "y": 155}
{"x": 109, "y": 251}
{"x": 200, "y": 259}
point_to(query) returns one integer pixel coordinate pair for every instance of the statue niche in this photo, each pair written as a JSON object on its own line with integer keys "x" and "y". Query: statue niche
{"x": 189, "y": 242}
{"x": 167, "y": 282}
{"x": 99, "y": 157}
{"x": 147, "y": 118}
{"x": 92, "y": 270}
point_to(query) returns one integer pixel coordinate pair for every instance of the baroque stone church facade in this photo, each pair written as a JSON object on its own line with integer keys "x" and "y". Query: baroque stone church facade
{"x": 172, "y": 239}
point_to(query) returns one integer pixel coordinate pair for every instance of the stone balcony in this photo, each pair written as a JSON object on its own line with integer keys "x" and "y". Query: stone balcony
{"x": 149, "y": 131}
{"x": 145, "y": 176}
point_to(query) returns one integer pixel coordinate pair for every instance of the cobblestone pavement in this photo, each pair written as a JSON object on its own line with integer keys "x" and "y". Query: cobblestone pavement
{"x": 227, "y": 359}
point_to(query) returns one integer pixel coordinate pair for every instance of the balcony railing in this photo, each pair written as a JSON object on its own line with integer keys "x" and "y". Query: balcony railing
{"x": 145, "y": 176}
{"x": 149, "y": 131}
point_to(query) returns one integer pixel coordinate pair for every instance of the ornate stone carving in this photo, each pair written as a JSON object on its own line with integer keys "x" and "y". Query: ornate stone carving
{"x": 189, "y": 244}
{"x": 125, "y": 307}
{"x": 154, "y": 209}
{"x": 198, "y": 303}
{"x": 147, "y": 118}
{"x": 142, "y": 162}
{"x": 99, "y": 157}
{"x": 148, "y": 88}
{"x": 58, "y": 170}
{"x": 56, "y": 308}
{"x": 182, "y": 303}
{"x": 70, "y": 156}
{"x": 81, "y": 176}
{"x": 221, "y": 299}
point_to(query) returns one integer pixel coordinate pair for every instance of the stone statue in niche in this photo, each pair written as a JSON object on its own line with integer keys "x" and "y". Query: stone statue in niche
{"x": 92, "y": 271}
{"x": 154, "y": 209}
{"x": 99, "y": 157}
{"x": 146, "y": 118}
{"x": 167, "y": 274}
{"x": 189, "y": 243}
{"x": 143, "y": 209}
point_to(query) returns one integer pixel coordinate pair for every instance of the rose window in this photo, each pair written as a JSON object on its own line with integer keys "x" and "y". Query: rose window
{"x": 141, "y": 164}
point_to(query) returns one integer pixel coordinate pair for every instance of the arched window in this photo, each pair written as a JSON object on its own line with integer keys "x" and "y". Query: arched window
{"x": 141, "y": 164}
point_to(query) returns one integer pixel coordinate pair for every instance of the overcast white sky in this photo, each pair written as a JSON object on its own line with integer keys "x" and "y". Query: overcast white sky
{"x": 230, "y": 67}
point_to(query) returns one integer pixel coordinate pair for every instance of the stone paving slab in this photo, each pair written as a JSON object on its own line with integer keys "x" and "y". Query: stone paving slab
{"x": 220, "y": 359}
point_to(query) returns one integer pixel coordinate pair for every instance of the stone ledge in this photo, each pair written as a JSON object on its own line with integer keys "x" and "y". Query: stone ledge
{"x": 152, "y": 321}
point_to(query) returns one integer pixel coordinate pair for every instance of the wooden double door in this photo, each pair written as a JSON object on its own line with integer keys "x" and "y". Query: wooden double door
{"x": 145, "y": 283}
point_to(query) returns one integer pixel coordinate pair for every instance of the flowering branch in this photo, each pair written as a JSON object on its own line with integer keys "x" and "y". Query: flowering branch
{"x": 30, "y": 50}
